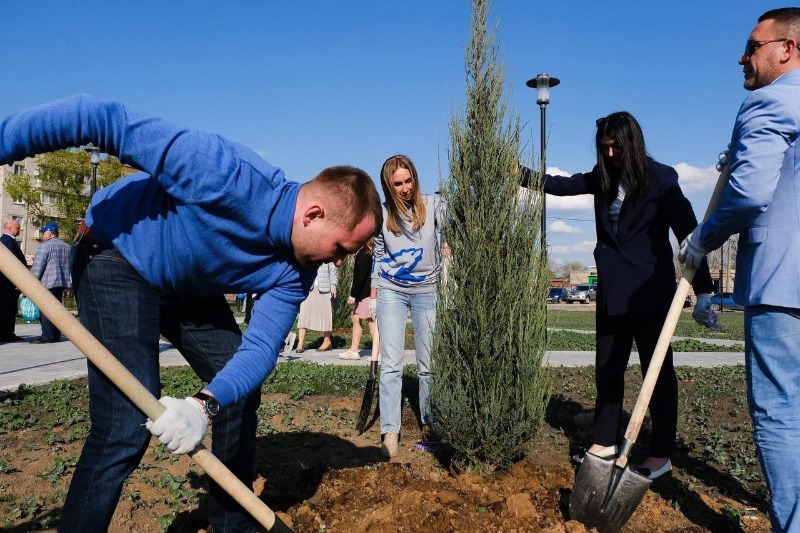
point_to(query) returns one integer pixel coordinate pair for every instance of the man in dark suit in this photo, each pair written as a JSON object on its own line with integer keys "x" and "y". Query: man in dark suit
{"x": 8, "y": 292}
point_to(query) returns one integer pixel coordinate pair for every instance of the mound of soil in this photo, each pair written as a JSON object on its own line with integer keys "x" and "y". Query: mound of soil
{"x": 319, "y": 475}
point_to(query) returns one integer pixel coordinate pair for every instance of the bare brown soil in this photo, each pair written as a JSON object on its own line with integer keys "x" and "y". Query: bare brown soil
{"x": 319, "y": 475}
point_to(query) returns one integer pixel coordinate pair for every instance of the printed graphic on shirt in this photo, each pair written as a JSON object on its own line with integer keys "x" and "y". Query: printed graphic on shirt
{"x": 408, "y": 258}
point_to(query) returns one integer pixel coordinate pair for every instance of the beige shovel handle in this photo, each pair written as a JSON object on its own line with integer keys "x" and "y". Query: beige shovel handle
{"x": 376, "y": 344}
{"x": 664, "y": 338}
{"x": 19, "y": 275}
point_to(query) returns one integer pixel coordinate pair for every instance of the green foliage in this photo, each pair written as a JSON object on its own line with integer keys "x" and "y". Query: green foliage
{"x": 585, "y": 342}
{"x": 7, "y": 468}
{"x": 570, "y": 341}
{"x": 179, "y": 382}
{"x": 49, "y": 406}
{"x": 341, "y": 315}
{"x": 488, "y": 392}
{"x": 301, "y": 378}
{"x": 59, "y": 468}
{"x": 732, "y": 324}
{"x": 64, "y": 177}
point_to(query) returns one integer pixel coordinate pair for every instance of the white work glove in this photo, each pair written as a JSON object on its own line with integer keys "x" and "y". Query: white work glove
{"x": 691, "y": 252}
{"x": 182, "y": 426}
{"x": 373, "y": 308}
{"x": 724, "y": 157}
{"x": 703, "y": 314}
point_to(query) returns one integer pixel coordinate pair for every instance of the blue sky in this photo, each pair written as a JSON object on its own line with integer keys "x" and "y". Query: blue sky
{"x": 314, "y": 84}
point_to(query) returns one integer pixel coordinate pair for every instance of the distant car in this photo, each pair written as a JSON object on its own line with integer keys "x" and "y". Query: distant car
{"x": 556, "y": 294}
{"x": 725, "y": 301}
{"x": 581, "y": 293}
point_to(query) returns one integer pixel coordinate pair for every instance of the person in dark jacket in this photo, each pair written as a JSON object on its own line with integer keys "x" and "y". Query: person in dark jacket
{"x": 359, "y": 299}
{"x": 636, "y": 202}
{"x": 8, "y": 292}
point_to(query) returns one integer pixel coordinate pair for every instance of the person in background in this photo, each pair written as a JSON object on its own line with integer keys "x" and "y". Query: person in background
{"x": 637, "y": 201}
{"x": 202, "y": 218}
{"x": 405, "y": 277}
{"x": 316, "y": 312}
{"x": 762, "y": 204}
{"x": 9, "y": 295}
{"x": 359, "y": 299}
{"x": 51, "y": 266}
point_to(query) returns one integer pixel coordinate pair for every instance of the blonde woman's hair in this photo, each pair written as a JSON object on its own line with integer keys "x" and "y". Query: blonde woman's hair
{"x": 399, "y": 211}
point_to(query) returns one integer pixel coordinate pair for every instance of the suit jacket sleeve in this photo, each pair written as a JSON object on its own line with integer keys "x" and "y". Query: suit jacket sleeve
{"x": 764, "y": 129}
{"x": 682, "y": 221}
{"x": 568, "y": 185}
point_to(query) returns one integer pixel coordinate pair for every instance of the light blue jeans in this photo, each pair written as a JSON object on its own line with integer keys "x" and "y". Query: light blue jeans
{"x": 772, "y": 349}
{"x": 393, "y": 307}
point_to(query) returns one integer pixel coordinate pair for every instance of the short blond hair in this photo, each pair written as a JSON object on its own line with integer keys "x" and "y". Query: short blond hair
{"x": 353, "y": 192}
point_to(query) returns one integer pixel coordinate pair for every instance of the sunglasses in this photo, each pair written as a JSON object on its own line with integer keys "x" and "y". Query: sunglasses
{"x": 751, "y": 46}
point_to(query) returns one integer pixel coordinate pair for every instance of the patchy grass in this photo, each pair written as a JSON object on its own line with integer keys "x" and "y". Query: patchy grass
{"x": 732, "y": 323}
{"x": 307, "y": 407}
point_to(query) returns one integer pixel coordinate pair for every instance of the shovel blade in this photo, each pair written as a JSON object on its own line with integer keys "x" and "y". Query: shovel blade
{"x": 604, "y": 495}
{"x": 369, "y": 394}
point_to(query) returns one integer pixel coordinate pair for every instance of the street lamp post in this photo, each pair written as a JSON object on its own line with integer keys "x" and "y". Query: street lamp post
{"x": 94, "y": 154}
{"x": 542, "y": 83}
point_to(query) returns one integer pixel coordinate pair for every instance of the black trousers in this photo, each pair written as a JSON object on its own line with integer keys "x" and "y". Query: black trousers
{"x": 8, "y": 309}
{"x": 615, "y": 336}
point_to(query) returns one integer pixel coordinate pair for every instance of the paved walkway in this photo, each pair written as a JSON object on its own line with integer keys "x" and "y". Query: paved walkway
{"x": 35, "y": 364}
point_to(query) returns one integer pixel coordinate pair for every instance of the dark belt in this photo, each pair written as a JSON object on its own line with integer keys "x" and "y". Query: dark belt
{"x": 86, "y": 235}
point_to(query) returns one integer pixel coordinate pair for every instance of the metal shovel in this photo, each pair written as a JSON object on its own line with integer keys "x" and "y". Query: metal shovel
{"x": 130, "y": 386}
{"x": 369, "y": 390}
{"x": 606, "y": 491}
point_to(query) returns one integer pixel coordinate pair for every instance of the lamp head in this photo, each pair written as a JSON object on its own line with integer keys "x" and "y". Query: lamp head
{"x": 542, "y": 82}
{"x": 94, "y": 154}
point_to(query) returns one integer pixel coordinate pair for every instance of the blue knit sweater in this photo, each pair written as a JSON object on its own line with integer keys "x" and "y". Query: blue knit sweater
{"x": 205, "y": 216}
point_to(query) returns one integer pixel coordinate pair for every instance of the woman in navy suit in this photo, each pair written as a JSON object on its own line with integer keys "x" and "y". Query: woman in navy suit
{"x": 636, "y": 202}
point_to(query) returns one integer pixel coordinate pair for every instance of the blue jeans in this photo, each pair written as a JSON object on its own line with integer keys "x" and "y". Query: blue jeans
{"x": 393, "y": 307}
{"x": 772, "y": 349}
{"x": 127, "y": 315}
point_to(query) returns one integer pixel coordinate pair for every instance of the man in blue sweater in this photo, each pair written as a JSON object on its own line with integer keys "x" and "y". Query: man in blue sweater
{"x": 204, "y": 217}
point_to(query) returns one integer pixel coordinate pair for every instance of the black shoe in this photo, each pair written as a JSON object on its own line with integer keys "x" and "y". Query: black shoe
{"x": 42, "y": 340}
{"x": 11, "y": 338}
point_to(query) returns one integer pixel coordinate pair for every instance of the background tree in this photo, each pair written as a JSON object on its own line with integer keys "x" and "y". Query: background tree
{"x": 570, "y": 269}
{"x": 61, "y": 188}
{"x": 488, "y": 390}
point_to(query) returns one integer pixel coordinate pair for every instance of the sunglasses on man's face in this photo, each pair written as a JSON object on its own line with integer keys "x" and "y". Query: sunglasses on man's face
{"x": 751, "y": 46}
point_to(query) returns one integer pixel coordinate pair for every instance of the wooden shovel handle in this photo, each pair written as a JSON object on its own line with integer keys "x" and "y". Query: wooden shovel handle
{"x": 665, "y": 337}
{"x": 376, "y": 344}
{"x": 19, "y": 275}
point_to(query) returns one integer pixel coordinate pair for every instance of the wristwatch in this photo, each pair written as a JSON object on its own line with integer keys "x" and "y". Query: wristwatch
{"x": 210, "y": 403}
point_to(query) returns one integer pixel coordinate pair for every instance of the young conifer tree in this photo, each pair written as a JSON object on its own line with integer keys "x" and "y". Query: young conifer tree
{"x": 488, "y": 391}
{"x": 342, "y": 313}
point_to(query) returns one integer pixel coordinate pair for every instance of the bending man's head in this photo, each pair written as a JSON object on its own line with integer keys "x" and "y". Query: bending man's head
{"x": 336, "y": 214}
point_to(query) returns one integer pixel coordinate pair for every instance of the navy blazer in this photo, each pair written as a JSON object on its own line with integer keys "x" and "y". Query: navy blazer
{"x": 635, "y": 266}
{"x": 11, "y": 243}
